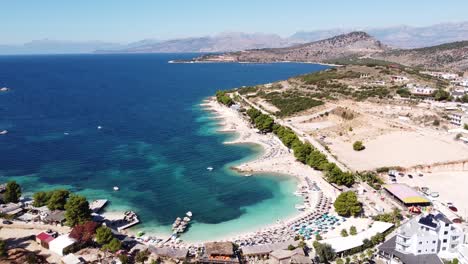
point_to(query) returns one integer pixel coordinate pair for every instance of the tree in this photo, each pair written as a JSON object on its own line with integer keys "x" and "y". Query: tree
{"x": 113, "y": 246}
{"x": 123, "y": 258}
{"x": 12, "y": 192}
{"x": 318, "y": 237}
{"x": 465, "y": 126}
{"x": 339, "y": 261}
{"x": 325, "y": 252}
{"x": 77, "y": 210}
{"x": 58, "y": 199}
{"x": 344, "y": 233}
{"x": 104, "y": 235}
{"x": 301, "y": 244}
{"x": 291, "y": 247}
{"x": 436, "y": 122}
{"x": 441, "y": 95}
{"x": 347, "y": 204}
{"x": 353, "y": 231}
{"x": 302, "y": 151}
{"x": 41, "y": 198}
{"x": 358, "y": 146}
{"x": 84, "y": 233}
{"x": 3, "y": 248}
{"x": 142, "y": 256}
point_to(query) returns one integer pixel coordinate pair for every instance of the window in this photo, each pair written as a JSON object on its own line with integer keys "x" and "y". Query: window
{"x": 419, "y": 251}
{"x": 433, "y": 242}
{"x": 446, "y": 233}
{"x": 446, "y": 224}
{"x": 432, "y": 250}
{"x": 445, "y": 240}
{"x": 444, "y": 248}
{"x": 420, "y": 242}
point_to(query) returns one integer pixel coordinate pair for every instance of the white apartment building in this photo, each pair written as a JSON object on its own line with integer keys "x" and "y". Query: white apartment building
{"x": 429, "y": 234}
{"x": 458, "y": 118}
{"x": 420, "y": 90}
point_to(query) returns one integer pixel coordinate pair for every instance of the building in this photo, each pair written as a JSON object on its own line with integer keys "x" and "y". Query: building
{"x": 283, "y": 256}
{"x": 44, "y": 239}
{"x": 169, "y": 253}
{"x": 421, "y": 90}
{"x": 61, "y": 244}
{"x": 388, "y": 252}
{"x": 263, "y": 251}
{"x": 11, "y": 208}
{"x": 398, "y": 78}
{"x": 219, "y": 252}
{"x": 462, "y": 254}
{"x": 341, "y": 244}
{"x": 56, "y": 217}
{"x": 406, "y": 195}
{"x": 458, "y": 118}
{"x": 431, "y": 234}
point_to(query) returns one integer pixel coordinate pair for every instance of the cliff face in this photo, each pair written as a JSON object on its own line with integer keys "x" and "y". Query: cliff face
{"x": 351, "y": 44}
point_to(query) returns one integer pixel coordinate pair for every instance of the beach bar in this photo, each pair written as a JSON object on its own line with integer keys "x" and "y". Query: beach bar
{"x": 406, "y": 195}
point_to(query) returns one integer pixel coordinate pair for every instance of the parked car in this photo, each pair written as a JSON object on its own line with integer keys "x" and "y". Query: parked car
{"x": 410, "y": 176}
{"x": 420, "y": 174}
{"x": 401, "y": 174}
{"x": 7, "y": 222}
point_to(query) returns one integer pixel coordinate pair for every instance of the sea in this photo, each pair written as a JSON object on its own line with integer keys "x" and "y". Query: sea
{"x": 88, "y": 123}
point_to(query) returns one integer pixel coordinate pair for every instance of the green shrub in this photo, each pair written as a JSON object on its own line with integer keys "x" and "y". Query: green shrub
{"x": 358, "y": 146}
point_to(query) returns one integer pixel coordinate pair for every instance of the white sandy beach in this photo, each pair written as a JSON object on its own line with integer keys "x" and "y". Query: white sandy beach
{"x": 276, "y": 157}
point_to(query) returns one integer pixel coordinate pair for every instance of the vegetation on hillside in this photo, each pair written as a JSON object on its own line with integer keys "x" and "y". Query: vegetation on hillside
{"x": 290, "y": 103}
{"x": 223, "y": 98}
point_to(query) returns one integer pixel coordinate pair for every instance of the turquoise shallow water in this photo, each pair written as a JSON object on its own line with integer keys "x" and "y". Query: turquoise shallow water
{"x": 155, "y": 142}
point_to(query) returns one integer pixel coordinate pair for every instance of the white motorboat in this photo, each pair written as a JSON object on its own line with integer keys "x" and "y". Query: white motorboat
{"x": 3, "y": 132}
{"x": 189, "y": 214}
{"x": 116, "y": 188}
{"x": 210, "y": 168}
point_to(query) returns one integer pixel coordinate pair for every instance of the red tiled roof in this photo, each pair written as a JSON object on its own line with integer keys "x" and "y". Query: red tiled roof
{"x": 45, "y": 237}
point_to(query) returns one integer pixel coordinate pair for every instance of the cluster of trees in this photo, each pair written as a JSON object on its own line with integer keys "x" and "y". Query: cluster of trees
{"x": 347, "y": 204}
{"x": 262, "y": 122}
{"x": 12, "y": 192}
{"x": 441, "y": 95}
{"x": 324, "y": 252}
{"x": 304, "y": 152}
{"x": 371, "y": 178}
{"x": 223, "y": 98}
{"x": 76, "y": 206}
{"x": 394, "y": 217}
{"x": 86, "y": 233}
{"x": 352, "y": 231}
{"x": 403, "y": 92}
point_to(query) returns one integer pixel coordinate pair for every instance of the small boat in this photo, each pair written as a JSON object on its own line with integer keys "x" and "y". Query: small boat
{"x": 189, "y": 214}
{"x": 210, "y": 168}
{"x": 66, "y": 133}
{"x": 99, "y": 127}
{"x": 3, "y": 132}
{"x": 4, "y": 89}
{"x": 435, "y": 194}
{"x": 116, "y": 188}
{"x": 248, "y": 175}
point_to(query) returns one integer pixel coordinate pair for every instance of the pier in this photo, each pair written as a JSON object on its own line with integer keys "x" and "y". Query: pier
{"x": 97, "y": 205}
{"x": 131, "y": 218}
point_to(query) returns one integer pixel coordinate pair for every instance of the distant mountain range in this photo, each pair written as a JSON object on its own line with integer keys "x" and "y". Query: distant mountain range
{"x": 399, "y": 37}
{"x": 233, "y": 41}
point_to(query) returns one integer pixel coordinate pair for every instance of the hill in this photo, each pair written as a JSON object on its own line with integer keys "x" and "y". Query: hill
{"x": 351, "y": 44}
{"x": 399, "y": 36}
{"x": 446, "y": 56}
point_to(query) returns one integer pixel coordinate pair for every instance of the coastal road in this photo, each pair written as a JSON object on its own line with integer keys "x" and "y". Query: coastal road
{"x": 301, "y": 134}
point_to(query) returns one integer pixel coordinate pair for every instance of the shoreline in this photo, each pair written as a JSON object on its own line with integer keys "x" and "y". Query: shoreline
{"x": 276, "y": 158}
{"x": 251, "y": 62}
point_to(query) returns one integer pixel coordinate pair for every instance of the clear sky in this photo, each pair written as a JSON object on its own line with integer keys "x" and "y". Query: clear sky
{"x": 126, "y": 21}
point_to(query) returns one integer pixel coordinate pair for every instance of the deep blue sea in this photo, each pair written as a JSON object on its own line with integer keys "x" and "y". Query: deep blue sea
{"x": 155, "y": 142}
